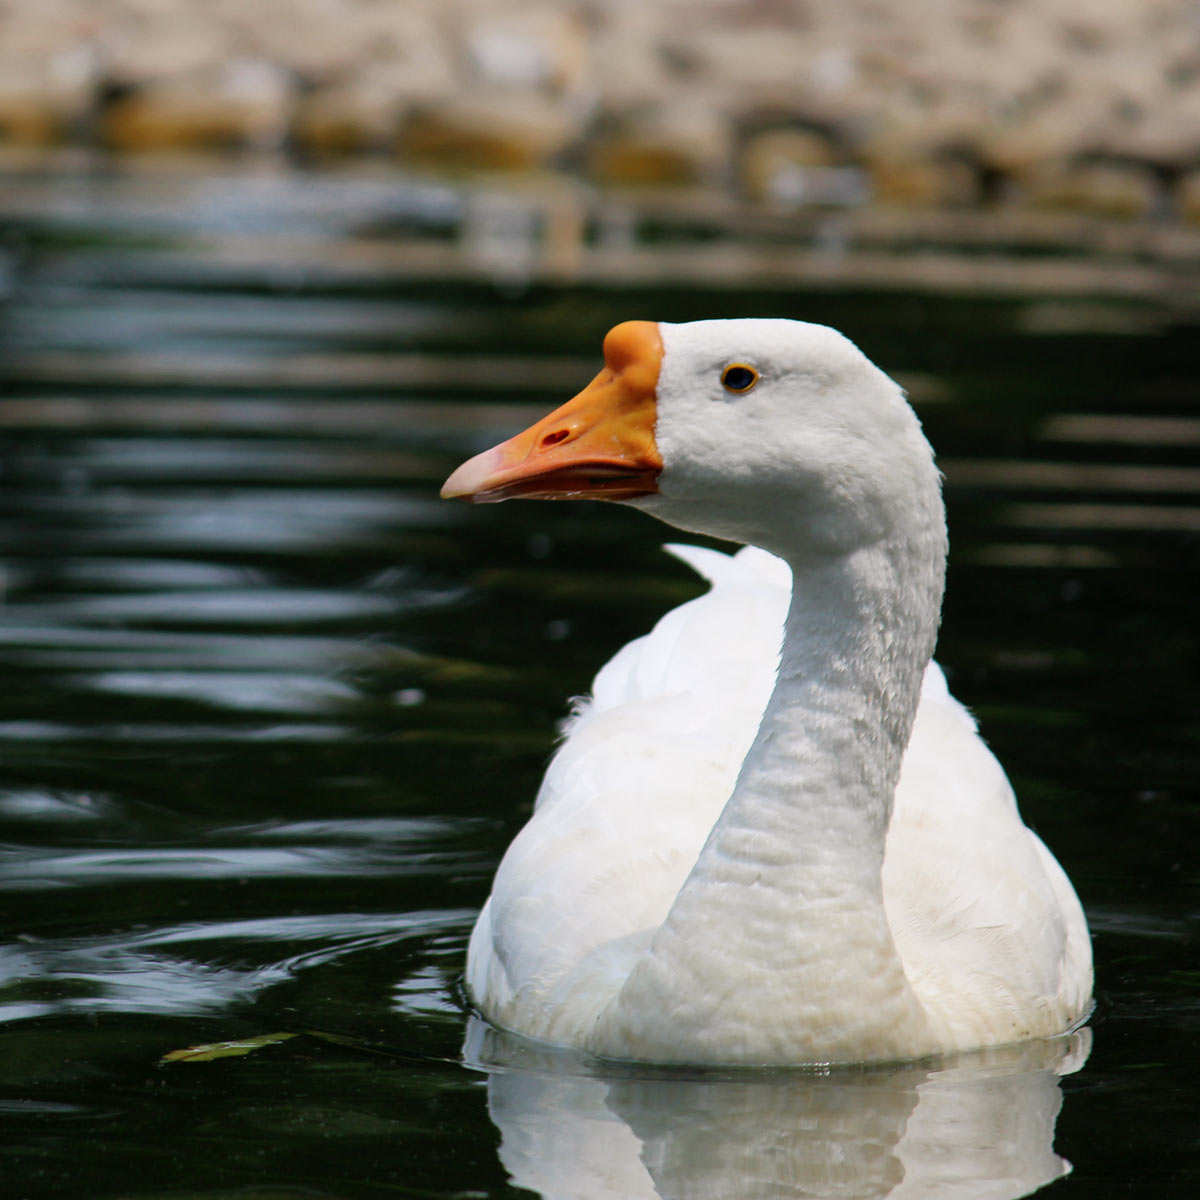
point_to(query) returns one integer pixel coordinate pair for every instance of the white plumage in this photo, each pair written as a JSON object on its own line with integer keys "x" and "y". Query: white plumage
{"x": 700, "y": 883}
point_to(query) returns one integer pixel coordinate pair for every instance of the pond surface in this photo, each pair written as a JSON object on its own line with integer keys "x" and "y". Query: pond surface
{"x": 270, "y": 711}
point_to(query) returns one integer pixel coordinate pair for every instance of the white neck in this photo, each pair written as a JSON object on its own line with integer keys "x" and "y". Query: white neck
{"x": 777, "y": 948}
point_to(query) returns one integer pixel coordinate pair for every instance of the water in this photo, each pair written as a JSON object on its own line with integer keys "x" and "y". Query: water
{"x": 270, "y": 711}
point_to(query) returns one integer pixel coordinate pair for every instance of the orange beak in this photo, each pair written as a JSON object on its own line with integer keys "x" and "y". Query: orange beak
{"x": 598, "y": 446}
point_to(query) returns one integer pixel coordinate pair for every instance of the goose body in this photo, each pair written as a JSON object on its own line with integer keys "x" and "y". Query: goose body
{"x": 771, "y": 836}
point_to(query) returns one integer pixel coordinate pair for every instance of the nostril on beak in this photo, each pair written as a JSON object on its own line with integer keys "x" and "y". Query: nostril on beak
{"x": 552, "y": 439}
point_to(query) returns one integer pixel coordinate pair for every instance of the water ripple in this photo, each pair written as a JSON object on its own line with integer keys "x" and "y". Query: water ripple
{"x": 238, "y": 690}
{"x": 28, "y": 868}
{"x": 226, "y": 608}
{"x": 147, "y": 972}
{"x": 191, "y": 734}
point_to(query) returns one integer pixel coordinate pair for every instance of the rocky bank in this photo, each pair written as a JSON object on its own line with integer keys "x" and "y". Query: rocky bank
{"x": 1046, "y": 104}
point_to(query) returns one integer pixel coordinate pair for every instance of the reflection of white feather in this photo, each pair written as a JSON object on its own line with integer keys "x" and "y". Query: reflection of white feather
{"x": 976, "y": 1127}
{"x": 733, "y": 857}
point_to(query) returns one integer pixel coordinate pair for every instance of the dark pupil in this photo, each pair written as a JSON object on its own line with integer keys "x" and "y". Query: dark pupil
{"x": 738, "y": 379}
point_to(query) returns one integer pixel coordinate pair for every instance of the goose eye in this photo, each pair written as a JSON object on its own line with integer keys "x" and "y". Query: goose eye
{"x": 738, "y": 377}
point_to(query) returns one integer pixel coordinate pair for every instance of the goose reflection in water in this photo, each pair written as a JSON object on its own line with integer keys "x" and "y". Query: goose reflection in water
{"x": 977, "y": 1126}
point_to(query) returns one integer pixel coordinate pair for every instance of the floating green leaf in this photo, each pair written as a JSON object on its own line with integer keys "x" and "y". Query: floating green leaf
{"x": 225, "y": 1049}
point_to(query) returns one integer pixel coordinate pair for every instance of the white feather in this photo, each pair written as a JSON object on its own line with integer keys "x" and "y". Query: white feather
{"x": 649, "y": 761}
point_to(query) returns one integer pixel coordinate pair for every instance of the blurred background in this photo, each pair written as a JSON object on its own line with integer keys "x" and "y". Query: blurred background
{"x": 1056, "y": 105}
{"x": 270, "y": 711}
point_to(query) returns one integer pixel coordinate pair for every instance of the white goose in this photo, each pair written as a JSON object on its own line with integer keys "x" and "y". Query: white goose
{"x": 733, "y": 862}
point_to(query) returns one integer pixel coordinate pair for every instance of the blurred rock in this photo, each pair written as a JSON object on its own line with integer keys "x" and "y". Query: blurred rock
{"x": 409, "y": 61}
{"x": 346, "y": 119}
{"x": 1187, "y": 197}
{"x": 914, "y": 182}
{"x": 792, "y": 102}
{"x": 479, "y": 131}
{"x": 147, "y": 53}
{"x": 46, "y": 100}
{"x": 678, "y": 145}
{"x": 31, "y": 114}
{"x": 1103, "y": 189}
{"x": 538, "y": 47}
{"x": 244, "y": 103}
{"x": 365, "y": 112}
{"x": 1162, "y": 131}
{"x": 626, "y": 65}
{"x": 794, "y": 167}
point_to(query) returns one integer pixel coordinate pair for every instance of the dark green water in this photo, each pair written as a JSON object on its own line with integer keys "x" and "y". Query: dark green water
{"x": 270, "y": 711}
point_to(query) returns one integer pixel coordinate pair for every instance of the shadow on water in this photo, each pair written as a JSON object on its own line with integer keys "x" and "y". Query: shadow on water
{"x": 270, "y": 711}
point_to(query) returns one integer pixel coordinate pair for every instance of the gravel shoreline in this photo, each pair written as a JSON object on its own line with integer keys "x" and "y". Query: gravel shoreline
{"x": 1042, "y": 105}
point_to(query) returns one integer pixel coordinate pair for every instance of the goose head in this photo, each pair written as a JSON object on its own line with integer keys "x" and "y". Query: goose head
{"x": 772, "y": 432}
